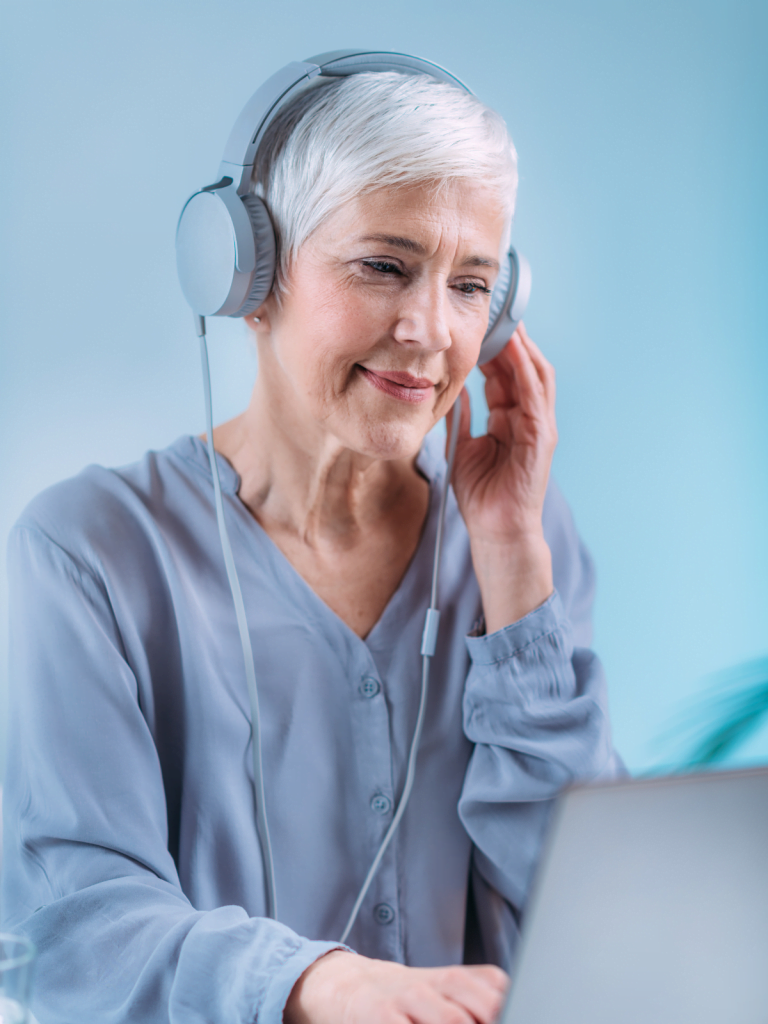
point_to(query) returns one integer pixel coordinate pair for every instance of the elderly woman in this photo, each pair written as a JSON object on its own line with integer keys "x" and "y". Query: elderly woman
{"x": 132, "y": 857}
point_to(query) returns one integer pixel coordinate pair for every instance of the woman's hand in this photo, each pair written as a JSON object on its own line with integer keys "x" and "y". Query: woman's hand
{"x": 345, "y": 988}
{"x": 500, "y": 481}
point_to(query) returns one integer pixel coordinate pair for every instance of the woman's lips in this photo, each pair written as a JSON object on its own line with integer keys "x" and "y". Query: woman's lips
{"x": 399, "y": 384}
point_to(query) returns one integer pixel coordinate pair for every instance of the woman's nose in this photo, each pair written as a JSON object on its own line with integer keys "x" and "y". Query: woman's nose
{"x": 423, "y": 316}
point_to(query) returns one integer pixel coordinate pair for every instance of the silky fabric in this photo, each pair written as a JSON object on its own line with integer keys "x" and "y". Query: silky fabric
{"x": 131, "y": 855}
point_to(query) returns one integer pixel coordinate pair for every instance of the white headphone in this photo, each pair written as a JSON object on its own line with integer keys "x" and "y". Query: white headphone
{"x": 225, "y": 242}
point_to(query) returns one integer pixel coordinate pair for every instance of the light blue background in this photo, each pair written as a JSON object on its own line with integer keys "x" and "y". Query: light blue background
{"x": 641, "y": 130}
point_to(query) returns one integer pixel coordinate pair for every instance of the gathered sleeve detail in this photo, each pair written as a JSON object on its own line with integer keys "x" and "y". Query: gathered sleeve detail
{"x": 535, "y": 708}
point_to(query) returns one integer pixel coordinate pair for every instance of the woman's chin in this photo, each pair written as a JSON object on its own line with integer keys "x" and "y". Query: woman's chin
{"x": 387, "y": 439}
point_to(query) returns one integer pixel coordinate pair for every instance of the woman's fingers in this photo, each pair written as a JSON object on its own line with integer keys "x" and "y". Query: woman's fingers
{"x": 531, "y": 387}
{"x": 520, "y": 376}
{"x": 345, "y": 987}
{"x": 458, "y": 995}
{"x": 465, "y": 417}
{"x": 424, "y": 1003}
{"x": 544, "y": 368}
{"x": 465, "y": 420}
{"x": 479, "y": 990}
{"x": 500, "y": 384}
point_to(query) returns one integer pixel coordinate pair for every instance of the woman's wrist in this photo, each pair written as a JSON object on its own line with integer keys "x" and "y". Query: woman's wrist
{"x": 310, "y": 988}
{"x": 515, "y": 577}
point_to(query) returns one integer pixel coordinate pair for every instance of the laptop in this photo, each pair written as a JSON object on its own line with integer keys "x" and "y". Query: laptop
{"x": 650, "y": 906}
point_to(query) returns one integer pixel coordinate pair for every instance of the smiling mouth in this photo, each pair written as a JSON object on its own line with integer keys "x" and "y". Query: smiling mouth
{"x": 398, "y": 384}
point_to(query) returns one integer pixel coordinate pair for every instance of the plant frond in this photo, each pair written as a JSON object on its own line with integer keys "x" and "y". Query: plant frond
{"x": 732, "y": 709}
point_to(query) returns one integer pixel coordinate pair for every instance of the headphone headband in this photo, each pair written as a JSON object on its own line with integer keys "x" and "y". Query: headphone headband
{"x": 353, "y": 62}
{"x": 258, "y": 113}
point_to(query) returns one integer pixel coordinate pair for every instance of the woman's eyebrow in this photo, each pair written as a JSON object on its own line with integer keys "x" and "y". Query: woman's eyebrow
{"x": 480, "y": 261}
{"x": 410, "y": 245}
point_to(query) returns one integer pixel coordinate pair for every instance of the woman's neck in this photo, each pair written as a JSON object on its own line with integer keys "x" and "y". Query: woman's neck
{"x": 348, "y": 523}
{"x": 300, "y": 481}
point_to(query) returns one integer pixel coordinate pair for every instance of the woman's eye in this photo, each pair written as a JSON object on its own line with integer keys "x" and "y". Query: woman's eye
{"x": 383, "y": 266}
{"x": 472, "y": 288}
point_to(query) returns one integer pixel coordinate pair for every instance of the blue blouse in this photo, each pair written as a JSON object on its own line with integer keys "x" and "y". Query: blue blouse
{"x": 131, "y": 855}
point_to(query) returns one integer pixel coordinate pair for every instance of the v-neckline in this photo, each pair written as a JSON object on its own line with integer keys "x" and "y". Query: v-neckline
{"x": 250, "y": 528}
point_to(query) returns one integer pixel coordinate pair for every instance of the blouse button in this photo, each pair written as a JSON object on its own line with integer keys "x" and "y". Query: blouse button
{"x": 370, "y": 687}
{"x": 383, "y": 913}
{"x": 381, "y": 804}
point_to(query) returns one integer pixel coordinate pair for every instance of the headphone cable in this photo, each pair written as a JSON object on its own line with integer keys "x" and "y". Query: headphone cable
{"x": 245, "y": 639}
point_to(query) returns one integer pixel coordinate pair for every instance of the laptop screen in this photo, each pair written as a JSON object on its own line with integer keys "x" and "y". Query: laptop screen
{"x": 650, "y": 906}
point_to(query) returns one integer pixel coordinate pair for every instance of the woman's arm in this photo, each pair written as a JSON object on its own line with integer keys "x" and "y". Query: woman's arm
{"x": 87, "y": 873}
{"x": 535, "y": 703}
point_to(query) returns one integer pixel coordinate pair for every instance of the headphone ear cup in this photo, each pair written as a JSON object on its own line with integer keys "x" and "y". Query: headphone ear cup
{"x": 508, "y": 304}
{"x": 225, "y": 252}
{"x": 266, "y": 253}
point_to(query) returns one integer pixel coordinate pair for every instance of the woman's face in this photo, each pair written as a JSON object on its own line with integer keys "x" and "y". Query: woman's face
{"x": 386, "y": 308}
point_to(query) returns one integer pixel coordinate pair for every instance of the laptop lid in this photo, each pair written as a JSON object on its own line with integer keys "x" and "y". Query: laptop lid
{"x": 650, "y": 905}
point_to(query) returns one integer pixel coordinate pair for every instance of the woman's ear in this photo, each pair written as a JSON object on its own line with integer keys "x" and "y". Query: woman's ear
{"x": 258, "y": 320}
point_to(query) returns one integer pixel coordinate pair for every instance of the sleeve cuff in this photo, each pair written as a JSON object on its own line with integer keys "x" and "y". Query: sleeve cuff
{"x": 289, "y": 973}
{"x": 506, "y": 643}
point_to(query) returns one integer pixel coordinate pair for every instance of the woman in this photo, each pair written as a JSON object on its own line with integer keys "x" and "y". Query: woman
{"x": 139, "y": 872}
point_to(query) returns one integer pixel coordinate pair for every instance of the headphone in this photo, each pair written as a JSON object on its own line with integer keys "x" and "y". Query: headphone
{"x": 225, "y": 242}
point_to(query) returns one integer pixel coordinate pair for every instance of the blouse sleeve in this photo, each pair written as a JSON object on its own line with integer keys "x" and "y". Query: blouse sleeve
{"x": 535, "y": 708}
{"x": 87, "y": 872}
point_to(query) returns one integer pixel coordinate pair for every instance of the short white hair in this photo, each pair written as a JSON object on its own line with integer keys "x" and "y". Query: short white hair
{"x": 371, "y": 131}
